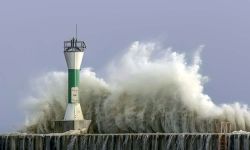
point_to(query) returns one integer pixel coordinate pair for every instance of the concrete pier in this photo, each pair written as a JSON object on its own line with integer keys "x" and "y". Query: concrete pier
{"x": 139, "y": 141}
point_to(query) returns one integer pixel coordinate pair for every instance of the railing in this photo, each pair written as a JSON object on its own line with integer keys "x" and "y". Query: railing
{"x": 74, "y": 45}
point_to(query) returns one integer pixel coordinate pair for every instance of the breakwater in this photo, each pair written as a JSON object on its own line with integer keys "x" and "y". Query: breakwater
{"x": 144, "y": 141}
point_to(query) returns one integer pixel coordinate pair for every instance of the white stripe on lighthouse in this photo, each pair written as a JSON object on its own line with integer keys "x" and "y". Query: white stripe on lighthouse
{"x": 73, "y": 112}
{"x": 73, "y": 59}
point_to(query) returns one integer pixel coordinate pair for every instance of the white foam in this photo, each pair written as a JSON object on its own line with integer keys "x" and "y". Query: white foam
{"x": 140, "y": 94}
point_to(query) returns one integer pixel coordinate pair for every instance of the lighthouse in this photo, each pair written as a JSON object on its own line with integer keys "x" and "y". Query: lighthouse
{"x": 73, "y": 52}
{"x": 73, "y": 117}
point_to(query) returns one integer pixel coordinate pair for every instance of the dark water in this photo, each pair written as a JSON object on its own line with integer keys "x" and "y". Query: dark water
{"x": 182, "y": 141}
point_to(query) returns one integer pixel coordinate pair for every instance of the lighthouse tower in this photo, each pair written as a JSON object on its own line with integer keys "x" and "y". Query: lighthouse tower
{"x": 73, "y": 52}
{"x": 73, "y": 118}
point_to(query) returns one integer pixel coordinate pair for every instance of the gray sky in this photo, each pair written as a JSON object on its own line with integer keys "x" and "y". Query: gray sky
{"x": 32, "y": 35}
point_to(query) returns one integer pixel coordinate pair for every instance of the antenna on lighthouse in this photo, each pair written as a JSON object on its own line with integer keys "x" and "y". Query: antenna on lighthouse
{"x": 76, "y": 31}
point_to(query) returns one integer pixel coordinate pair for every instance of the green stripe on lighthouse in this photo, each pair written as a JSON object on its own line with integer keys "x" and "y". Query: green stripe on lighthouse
{"x": 73, "y": 81}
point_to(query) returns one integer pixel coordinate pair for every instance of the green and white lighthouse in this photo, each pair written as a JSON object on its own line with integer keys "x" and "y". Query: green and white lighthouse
{"x": 73, "y": 118}
{"x": 73, "y": 52}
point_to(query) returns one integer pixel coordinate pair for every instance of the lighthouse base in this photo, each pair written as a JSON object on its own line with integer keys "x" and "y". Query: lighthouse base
{"x": 67, "y": 125}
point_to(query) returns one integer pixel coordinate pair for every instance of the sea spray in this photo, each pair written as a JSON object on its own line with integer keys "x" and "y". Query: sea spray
{"x": 141, "y": 93}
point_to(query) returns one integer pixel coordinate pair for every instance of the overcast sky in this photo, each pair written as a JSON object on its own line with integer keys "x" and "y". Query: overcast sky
{"x": 32, "y": 35}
